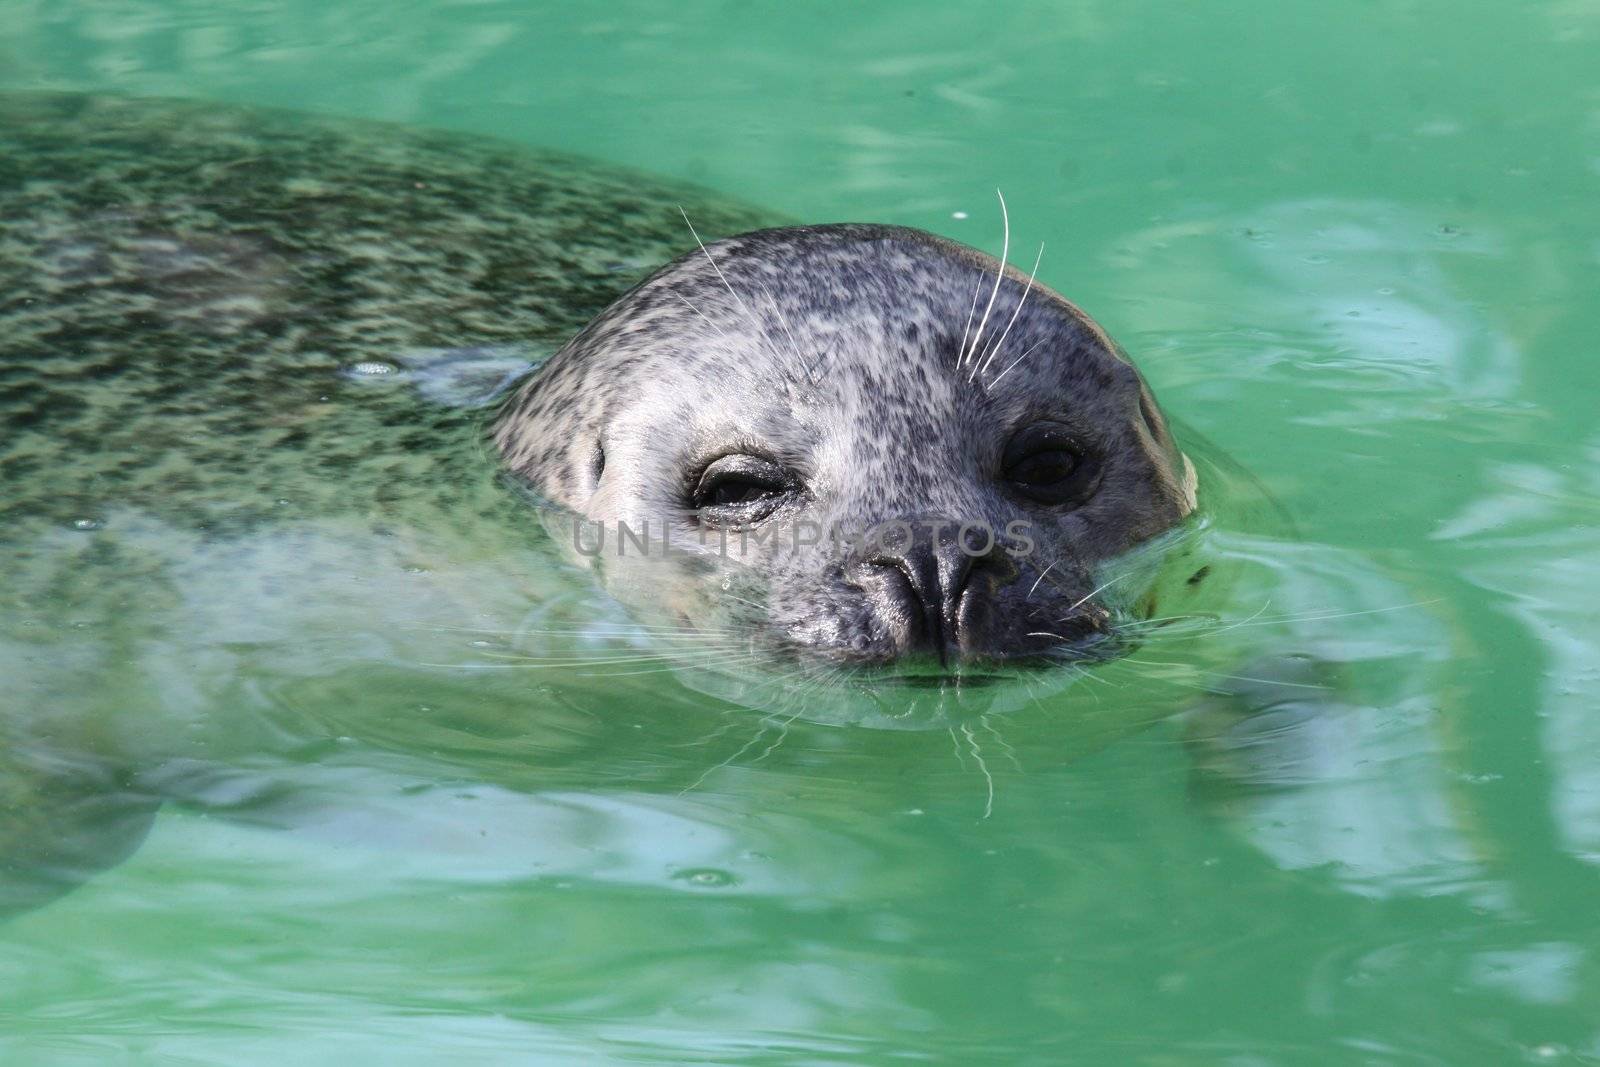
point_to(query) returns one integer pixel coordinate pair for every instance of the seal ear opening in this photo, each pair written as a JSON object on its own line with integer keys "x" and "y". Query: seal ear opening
{"x": 1151, "y": 416}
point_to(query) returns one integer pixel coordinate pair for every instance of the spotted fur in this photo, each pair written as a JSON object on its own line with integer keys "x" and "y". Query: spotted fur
{"x": 184, "y": 286}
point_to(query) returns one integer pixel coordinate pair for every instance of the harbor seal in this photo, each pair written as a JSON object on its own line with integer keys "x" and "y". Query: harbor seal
{"x": 198, "y": 298}
{"x": 259, "y": 496}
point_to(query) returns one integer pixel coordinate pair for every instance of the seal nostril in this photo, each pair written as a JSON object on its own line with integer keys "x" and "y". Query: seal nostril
{"x": 937, "y": 599}
{"x": 904, "y": 596}
{"x": 913, "y": 586}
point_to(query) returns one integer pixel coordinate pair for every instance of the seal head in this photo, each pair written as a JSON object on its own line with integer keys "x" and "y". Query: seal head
{"x": 856, "y": 443}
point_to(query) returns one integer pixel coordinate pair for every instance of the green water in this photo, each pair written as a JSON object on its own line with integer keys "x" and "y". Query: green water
{"x": 1356, "y": 247}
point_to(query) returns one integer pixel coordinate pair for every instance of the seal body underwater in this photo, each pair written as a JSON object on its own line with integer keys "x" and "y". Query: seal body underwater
{"x": 221, "y": 330}
{"x": 245, "y": 363}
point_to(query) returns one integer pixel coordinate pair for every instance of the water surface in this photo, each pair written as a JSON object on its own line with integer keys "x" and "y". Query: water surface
{"x": 1355, "y": 248}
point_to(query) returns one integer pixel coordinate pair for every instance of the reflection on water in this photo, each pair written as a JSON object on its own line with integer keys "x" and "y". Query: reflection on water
{"x": 1356, "y": 818}
{"x": 1529, "y": 540}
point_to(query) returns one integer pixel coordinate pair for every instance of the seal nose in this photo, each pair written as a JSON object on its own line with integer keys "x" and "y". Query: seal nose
{"x": 935, "y": 596}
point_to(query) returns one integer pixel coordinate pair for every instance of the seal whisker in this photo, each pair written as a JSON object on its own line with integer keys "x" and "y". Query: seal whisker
{"x": 1081, "y": 601}
{"x": 783, "y": 733}
{"x": 980, "y": 366}
{"x": 1318, "y": 616}
{"x": 727, "y": 725}
{"x": 743, "y": 600}
{"x": 755, "y": 320}
{"x": 1034, "y": 696}
{"x": 1008, "y": 370}
{"x": 719, "y": 656}
{"x": 1123, "y": 664}
{"x": 1005, "y": 746}
{"x": 1167, "y": 633}
{"x": 1035, "y": 587}
{"x": 767, "y": 721}
{"x": 1231, "y": 677}
{"x": 1082, "y": 673}
{"x": 983, "y": 769}
{"x": 746, "y": 747}
{"x": 794, "y": 345}
{"x": 716, "y": 660}
{"x": 621, "y": 656}
{"x": 961, "y": 758}
{"x": 1085, "y": 674}
{"x": 1005, "y": 248}
{"x": 1168, "y": 620}
{"x": 595, "y": 629}
{"x": 1171, "y": 630}
{"x": 1259, "y": 611}
{"x": 620, "y": 635}
{"x": 977, "y": 287}
{"x": 1164, "y": 629}
{"x": 685, "y": 301}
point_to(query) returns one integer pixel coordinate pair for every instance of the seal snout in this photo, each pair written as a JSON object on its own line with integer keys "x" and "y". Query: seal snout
{"x": 934, "y": 597}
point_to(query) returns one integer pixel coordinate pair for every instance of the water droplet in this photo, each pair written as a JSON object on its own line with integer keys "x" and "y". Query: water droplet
{"x": 706, "y": 877}
{"x": 371, "y": 368}
{"x": 483, "y": 644}
{"x": 958, "y": 214}
{"x": 88, "y": 524}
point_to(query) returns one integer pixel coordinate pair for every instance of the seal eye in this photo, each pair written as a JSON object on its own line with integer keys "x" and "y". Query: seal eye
{"x": 741, "y": 489}
{"x": 1044, "y": 462}
{"x": 1043, "y": 468}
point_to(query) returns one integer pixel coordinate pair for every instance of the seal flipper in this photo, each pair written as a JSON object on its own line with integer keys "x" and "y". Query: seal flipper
{"x": 62, "y": 821}
{"x": 471, "y": 377}
{"x": 1259, "y": 732}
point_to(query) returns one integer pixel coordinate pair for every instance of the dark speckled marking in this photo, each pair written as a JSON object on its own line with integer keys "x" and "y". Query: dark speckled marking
{"x": 181, "y": 285}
